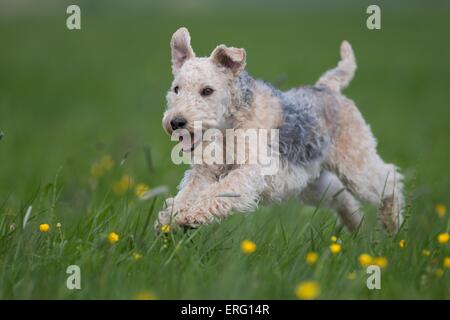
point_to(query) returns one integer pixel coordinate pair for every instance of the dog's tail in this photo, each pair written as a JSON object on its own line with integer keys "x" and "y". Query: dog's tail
{"x": 339, "y": 77}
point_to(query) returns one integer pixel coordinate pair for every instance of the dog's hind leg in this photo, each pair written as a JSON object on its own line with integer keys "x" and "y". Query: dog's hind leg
{"x": 328, "y": 191}
{"x": 354, "y": 159}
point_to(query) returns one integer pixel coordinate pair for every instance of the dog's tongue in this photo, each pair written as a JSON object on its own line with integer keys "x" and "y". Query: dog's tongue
{"x": 186, "y": 142}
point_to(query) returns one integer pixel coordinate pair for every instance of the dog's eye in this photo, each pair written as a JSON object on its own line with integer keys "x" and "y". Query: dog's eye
{"x": 206, "y": 91}
{"x": 175, "y": 89}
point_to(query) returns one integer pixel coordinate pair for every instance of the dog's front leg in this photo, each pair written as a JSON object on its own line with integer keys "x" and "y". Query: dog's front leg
{"x": 240, "y": 190}
{"x": 195, "y": 181}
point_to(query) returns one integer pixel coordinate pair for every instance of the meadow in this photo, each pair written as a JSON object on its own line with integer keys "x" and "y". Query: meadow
{"x": 81, "y": 141}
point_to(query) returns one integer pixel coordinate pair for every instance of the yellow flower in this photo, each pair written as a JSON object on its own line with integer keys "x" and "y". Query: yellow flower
{"x": 311, "y": 258}
{"x": 439, "y": 272}
{"x": 441, "y": 210}
{"x": 137, "y": 256}
{"x": 248, "y": 246}
{"x": 426, "y": 253}
{"x": 97, "y": 170}
{"x": 335, "y": 248}
{"x": 307, "y": 290}
{"x": 351, "y": 275}
{"x": 446, "y": 262}
{"x": 141, "y": 189}
{"x": 333, "y": 239}
{"x": 44, "y": 227}
{"x": 402, "y": 244}
{"x": 121, "y": 186}
{"x": 365, "y": 260}
{"x": 443, "y": 238}
{"x": 145, "y": 295}
{"x": 106, "y": 162}
{"x": 113, "y": 237}
{"x": 382, "y": 262}
{"x": 165, "y": 228}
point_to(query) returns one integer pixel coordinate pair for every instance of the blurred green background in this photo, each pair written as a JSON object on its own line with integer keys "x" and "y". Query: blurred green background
{"x": 69, "y": 97}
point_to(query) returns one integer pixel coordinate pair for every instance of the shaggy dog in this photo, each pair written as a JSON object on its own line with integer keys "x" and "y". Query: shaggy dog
{"x": 326, "y": 150}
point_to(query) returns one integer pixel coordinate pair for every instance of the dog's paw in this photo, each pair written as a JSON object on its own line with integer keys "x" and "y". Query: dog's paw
{"x": 165, "y": 217}
{"x": 168, "y": 203}
{"x": 193, "y": 218}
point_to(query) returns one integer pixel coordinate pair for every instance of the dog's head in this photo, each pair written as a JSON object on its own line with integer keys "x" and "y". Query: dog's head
{"x": 203, "y": 88}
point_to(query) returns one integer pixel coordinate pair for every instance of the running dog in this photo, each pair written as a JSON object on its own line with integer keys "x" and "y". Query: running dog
{"x": 327, "y": 151}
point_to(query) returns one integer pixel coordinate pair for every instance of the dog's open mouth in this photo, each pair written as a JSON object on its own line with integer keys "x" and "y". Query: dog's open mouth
{"x": 188, "y": 141}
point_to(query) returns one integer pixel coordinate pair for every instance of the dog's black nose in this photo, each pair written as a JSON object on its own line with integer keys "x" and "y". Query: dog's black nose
{"x": 178, "y": 123}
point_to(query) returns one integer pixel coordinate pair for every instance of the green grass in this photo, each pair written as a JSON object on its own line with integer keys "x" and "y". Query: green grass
{"x": 69, "y": 98}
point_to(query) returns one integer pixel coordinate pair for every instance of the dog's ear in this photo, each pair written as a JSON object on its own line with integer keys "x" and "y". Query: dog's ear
{"x": 181, "y": 49}
{"x": 231, "y": 58}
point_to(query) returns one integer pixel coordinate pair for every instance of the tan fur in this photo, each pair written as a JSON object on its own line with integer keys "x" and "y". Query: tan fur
{"x": 354, "y": 158}
{"x": 265, "y": 112}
